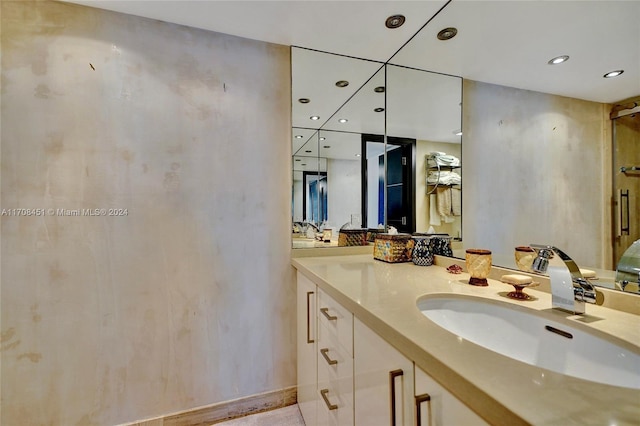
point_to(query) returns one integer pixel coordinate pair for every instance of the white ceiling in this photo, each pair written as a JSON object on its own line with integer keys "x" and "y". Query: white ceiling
{"x": 504, "y": 42}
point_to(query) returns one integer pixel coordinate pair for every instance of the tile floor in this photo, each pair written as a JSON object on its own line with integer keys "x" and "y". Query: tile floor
{"x": 287, "y": 416}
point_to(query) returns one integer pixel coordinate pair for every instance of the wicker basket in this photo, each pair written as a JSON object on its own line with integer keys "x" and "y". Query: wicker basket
{"x": 393, "y": 248}
{"x": 352, "y": 237}
{"x": 371, "y": 234}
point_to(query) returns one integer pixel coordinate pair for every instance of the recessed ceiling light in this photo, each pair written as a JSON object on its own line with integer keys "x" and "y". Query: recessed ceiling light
{"x": 308, "y": 151}
{"x": 379, "y": 109}
{"x": 342, "y": 120}
{"x": 299, "y": 136}
{"x": 304, "y": 100}
{"x": 447, "y": 33}
{"x": 303, "y": 164}
{"x": 314, "y": 117}
{"x": 322, "y": 138}
{"x": 558, "y": 60}
{"x": 613, "y": 74}
{"x": 357, "y": 155}
{"x": 327, "y": 146}
{"x": 297, "y": 159}
{"x": 394, "y": 21}
{"x": 342, "y": 83}
{"x": 379, "y": 89}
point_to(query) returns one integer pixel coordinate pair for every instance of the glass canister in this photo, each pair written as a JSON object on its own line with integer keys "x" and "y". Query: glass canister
{"x": 524, "y": 258}
{"x": 478, "y": 263}
{"x": 441, "y": 245}
{"x": 422, "y": 251}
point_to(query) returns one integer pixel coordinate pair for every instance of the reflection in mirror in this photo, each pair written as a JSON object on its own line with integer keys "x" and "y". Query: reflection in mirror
{"x": 626, "y": 178}
{"x": 538, "y": 148}
{"x": 425, "y": 108}
{"x": 343, "y": 147}
{"x": 326, "y": 171}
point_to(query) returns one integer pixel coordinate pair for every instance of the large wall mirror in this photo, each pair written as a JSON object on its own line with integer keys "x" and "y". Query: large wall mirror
{"x": 537, "y": 150}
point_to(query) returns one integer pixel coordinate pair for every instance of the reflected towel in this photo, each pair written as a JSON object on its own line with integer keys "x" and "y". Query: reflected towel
{"x": 456, "y": 202}
{"x": 434, "y": 217}
{"x": 444, "y": 201}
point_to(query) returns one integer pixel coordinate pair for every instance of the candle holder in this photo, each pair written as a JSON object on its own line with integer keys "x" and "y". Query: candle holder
{"x": 478, "y": 263}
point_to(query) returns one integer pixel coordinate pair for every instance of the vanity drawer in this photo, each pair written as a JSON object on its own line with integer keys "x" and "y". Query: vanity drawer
{"x": 335, "y": 401}
{"x": 337, "y": 320}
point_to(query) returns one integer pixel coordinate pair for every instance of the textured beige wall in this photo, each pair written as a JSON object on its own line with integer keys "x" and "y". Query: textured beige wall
{"x": 533, "y": 171}
{"x": 187, "y": 299}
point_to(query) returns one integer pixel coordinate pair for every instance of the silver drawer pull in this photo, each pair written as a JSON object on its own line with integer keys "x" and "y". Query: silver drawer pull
{"x": 309, "y": 339}
{"x": 325, "y": 312}
{"x": 330, "y": 361}
{"x": 425, "y": 397}
{"x": 330, "y": 406}
{"x": 392, "y": 387}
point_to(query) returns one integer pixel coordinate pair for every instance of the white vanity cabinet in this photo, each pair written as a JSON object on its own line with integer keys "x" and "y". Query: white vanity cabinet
{"x": 325, "y": 357}
{"x": 348, "y": 375}
{"x": 383, "y": 381}
{"x": 307, "y": 359}
{"x": 435, "y": 406}
{"x": 335, "y": 363}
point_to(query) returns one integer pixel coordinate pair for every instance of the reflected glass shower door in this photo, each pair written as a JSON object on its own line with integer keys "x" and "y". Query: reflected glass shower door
{"x": 626, "y": 182}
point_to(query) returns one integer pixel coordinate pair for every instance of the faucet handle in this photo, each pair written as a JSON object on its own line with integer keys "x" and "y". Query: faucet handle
{"x": 584, "y": 291}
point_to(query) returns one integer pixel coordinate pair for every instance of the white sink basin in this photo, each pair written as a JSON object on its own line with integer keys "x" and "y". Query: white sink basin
{"x": 525, "y": 335}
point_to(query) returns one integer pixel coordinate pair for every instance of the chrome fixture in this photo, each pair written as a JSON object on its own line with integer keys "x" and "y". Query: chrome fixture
{"x": 394, "y": 21}
{"x": 558, "y": 60}
{"x": 569, "y": 289}
{"x": 447, "y": 33}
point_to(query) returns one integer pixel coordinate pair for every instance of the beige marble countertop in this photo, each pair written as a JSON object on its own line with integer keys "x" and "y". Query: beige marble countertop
{"x": 501, "y": 390}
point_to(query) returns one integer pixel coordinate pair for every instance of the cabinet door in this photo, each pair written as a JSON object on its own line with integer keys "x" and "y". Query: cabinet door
{"x": 383, "y": 381}
{"x": 437, "y": 407}
{"x": 307, "y": 358}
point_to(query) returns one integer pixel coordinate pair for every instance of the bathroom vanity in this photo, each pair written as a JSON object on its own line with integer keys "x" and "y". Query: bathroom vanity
{"x": 367, "y": 355}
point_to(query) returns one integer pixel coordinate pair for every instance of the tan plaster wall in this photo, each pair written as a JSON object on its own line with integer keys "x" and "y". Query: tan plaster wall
{"x": 188, "y": 298}
{"x": 537, "y": 164}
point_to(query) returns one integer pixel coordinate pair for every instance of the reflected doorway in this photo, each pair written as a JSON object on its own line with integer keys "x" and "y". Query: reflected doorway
{"x": 399, "y": 187}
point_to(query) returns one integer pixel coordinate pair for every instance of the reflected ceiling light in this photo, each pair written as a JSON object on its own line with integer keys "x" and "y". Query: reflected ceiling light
{"x": 558, "y": 60}
{"x": 304, "y": 100}
{"x": 447, "y": 33}
{"x": 394, "y": 21}
{"x": 613, "y": 74}
{"x": 357, "y": 155}
{"x": 379, "y": 89}
{"x": 322, "y": 138}
{"x": 457, "y": 132}
{"x": 299, "y": 136}
{"x": 379, "y": 109}
{"x": 342, "y": 83}
{"x": 315, "y": 117}
{"x": 342, "y": 120}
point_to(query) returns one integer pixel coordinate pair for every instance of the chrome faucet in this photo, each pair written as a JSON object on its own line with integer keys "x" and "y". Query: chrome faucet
{"x": 569, "y": 289}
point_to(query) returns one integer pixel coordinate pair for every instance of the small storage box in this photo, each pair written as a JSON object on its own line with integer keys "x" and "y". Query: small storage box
{"x": 393, "y": 248}
{"x": 352, "y": 237}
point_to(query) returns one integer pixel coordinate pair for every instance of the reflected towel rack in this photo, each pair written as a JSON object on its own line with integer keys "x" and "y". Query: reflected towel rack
{"x": 630, "y": 169}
